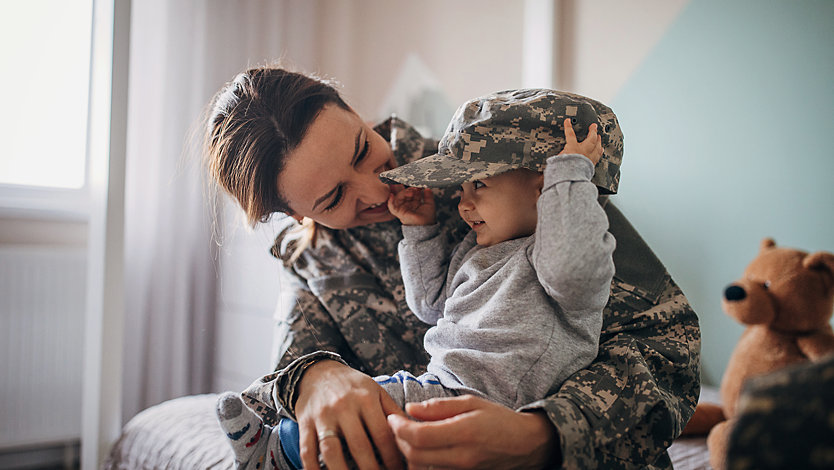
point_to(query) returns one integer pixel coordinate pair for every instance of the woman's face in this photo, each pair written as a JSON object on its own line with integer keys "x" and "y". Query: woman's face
{"x": 332, "y": 175}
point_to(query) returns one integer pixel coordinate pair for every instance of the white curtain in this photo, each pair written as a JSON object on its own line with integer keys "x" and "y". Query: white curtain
{"x": 181, "y": 54}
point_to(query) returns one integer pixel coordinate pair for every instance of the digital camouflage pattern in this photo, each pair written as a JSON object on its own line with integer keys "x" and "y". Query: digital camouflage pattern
{"x": 786, "y": 420}
{"x": 623, "y": 411}
{"x": 513, "y": 129}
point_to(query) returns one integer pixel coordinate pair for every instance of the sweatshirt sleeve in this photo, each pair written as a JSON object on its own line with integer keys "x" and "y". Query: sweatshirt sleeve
{"x": 573, "y": 248}
{"x": 424, "y": 261}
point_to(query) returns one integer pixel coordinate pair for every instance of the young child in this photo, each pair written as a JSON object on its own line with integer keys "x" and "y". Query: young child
{"x": 517, "y": 306}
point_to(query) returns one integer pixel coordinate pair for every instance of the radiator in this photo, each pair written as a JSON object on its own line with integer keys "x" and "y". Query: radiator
{"x": 42, "y": 293}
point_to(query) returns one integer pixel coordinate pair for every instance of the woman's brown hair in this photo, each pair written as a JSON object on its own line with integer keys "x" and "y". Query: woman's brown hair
{"x": 254, "y": 122}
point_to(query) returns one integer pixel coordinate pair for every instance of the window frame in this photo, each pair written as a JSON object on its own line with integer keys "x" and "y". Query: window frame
{"x": 44, "y": 202}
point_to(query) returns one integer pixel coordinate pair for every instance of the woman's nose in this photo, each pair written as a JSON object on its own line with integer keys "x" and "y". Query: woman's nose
{"x": 371, "y": 190}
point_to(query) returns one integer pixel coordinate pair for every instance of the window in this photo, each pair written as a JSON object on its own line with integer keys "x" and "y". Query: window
{"x": 45, "y": 80}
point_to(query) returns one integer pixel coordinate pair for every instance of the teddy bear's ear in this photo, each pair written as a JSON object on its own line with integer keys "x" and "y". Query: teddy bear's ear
{"x": 766, "y": 243}
{"x": 821, "y": 261}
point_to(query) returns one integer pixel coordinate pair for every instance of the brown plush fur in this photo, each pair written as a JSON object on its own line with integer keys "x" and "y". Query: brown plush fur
{"x": 785, "y": 298}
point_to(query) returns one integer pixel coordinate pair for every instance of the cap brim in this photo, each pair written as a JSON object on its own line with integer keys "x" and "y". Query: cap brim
{"x": 438, "y": 171}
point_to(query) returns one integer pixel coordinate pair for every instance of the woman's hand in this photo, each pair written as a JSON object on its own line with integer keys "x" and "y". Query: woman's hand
{"x": 468, "y": 432}
{"x": 591, "y": 147}
{"x": 336, "y": 401}
{"x": 413, "y": 206}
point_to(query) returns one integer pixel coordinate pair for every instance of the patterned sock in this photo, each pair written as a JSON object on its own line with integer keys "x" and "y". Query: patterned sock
{"x": 256, "y": 445}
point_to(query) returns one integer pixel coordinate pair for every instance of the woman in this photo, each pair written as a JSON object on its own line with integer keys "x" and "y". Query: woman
{"x": 283, "y": 142}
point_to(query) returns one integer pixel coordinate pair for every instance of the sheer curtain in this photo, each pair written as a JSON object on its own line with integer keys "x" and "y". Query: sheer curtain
{"x": 181, "y": 54}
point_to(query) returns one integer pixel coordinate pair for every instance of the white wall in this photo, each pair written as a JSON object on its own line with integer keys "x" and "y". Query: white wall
{"x": 612, "y": 39}
{"x": 471, "y": 46}
{"x": 248, "y": 292}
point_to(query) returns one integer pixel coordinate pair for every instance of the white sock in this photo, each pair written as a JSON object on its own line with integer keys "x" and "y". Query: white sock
{"x": 256, "y": 445}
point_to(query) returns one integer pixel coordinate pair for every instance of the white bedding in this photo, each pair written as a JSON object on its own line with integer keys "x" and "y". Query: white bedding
{"x": 183, "y": 434}
{"x": 178, "y": 434}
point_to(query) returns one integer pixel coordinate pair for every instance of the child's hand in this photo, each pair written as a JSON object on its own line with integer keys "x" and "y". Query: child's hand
{"x": 413, "y": 206}
{"x": 591, "y": 147}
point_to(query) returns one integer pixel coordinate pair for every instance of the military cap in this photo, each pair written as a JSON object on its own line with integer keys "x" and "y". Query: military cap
{"x": 513, "y": 129}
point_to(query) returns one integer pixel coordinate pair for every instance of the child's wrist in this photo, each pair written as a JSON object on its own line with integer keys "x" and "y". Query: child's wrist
{"x": 567, "y": 167}
{"x": 416, "y": 222}
{"x": 420, "y": 232}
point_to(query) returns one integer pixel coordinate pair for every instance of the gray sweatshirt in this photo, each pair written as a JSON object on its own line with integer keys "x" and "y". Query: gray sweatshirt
{"x": 514, "y": 320}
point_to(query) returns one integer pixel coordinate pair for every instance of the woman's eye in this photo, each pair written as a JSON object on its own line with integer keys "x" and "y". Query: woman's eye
{"x": 477, "y": 184}
{"x": 337, "y": 199}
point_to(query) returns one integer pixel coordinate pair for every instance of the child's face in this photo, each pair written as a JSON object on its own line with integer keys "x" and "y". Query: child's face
{"x": 501, "y": 207}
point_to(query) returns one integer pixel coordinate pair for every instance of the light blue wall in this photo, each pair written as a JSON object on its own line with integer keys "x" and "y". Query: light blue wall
{"x": 729, "y": 126}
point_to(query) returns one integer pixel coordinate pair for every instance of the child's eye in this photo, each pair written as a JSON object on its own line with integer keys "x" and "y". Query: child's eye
{"x": 478, "y": 184}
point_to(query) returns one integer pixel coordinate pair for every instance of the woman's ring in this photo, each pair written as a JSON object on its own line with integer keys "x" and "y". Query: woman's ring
{"x": 327, "y": 433}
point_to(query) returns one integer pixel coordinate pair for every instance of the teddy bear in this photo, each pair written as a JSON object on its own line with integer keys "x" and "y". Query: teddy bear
{"x": 785, "y": 298}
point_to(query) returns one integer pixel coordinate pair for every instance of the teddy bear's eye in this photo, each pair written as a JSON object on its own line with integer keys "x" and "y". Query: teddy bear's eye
{"x": 767, "y": 284}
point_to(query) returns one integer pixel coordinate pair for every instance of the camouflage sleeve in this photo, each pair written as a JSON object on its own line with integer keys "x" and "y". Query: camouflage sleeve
{"x": 303, "y": 322}
{"x": 302, "y": 329}
{"x": 304, "y": 326}
{"x": 273, "y": 395}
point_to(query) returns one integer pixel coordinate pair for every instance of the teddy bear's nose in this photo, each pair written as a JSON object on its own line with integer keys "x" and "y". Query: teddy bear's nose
{"x": 734, "y": 292}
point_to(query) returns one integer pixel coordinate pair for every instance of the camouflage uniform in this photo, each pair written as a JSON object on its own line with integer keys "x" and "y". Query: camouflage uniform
{"x": 786, "y": 420}
{"x": 623, "y": 411}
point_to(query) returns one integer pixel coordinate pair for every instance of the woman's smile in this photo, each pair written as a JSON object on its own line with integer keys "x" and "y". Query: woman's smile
{"x": 375, "y": 209}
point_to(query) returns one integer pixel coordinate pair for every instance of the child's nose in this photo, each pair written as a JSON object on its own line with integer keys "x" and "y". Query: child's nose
{"x": 465, "y": 202}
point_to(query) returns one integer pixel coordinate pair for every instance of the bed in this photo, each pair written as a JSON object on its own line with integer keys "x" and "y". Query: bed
{"x": 178, "y": 434}
{"x": 183, "y": 434}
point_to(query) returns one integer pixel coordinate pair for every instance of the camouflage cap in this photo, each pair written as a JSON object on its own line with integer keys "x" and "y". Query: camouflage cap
{"x": 514, "y": 129}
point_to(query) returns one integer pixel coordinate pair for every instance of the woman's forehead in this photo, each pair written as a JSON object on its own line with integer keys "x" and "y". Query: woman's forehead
{"x": 332, "y": 132}
{"x": 313, "y": 168}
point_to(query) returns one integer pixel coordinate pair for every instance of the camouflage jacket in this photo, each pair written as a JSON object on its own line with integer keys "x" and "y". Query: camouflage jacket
{"x": 784, "y": 419}
{"x": 623, "y": 411}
